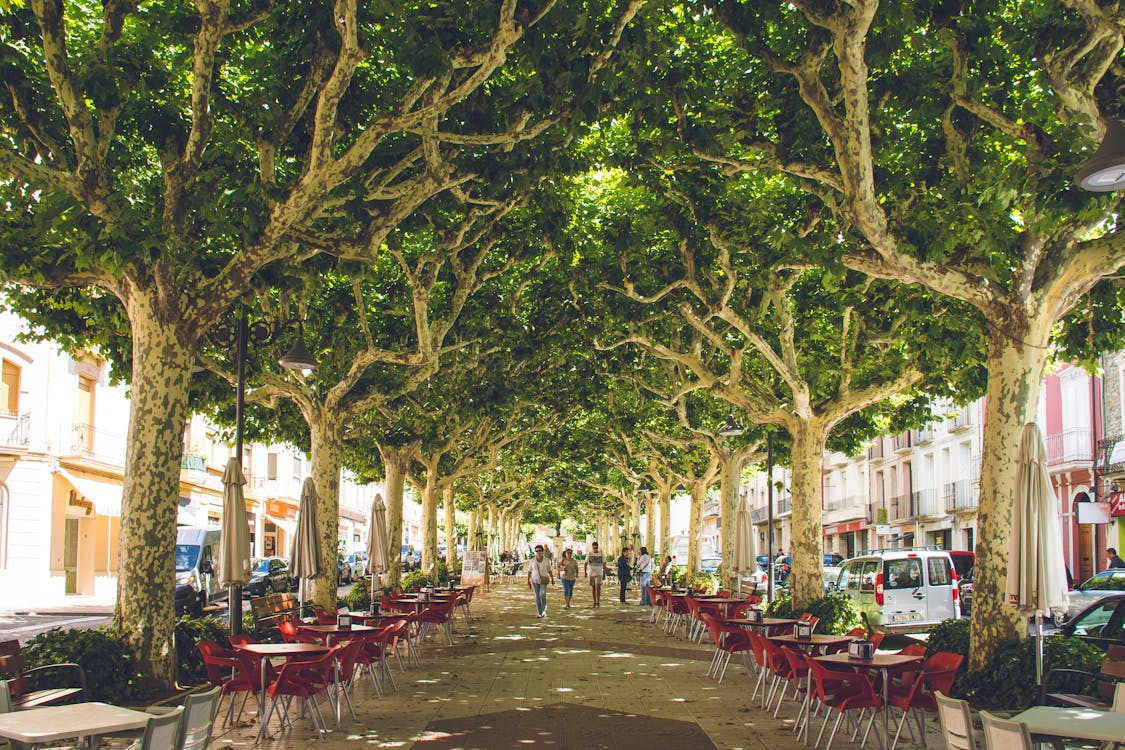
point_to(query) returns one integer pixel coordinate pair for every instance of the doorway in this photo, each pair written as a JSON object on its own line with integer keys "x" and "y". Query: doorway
{"x": 70, "y": 556}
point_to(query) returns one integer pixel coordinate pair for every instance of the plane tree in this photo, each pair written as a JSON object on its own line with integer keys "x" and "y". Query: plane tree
{"x": 939, "y": 143}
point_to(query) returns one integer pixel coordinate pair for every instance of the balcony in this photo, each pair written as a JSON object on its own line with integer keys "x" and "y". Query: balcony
{"x": 898, "y": 508}
{"x": 1070, "y": 446}
{"x": 924, "y": 504}
{"x": 784, "y": 506}
{"x": 94, "y": 442}
{"x": 759, "y": 515}
{"x": 962, "y": 421}
{"x": 902, "y": 441}
{"x": 15, "y": 430}
{"x": 875, "y": 450}
{"x": 844, "y": 503}
{"x": 924, "y": 435}
{"x": 959, "y": 496}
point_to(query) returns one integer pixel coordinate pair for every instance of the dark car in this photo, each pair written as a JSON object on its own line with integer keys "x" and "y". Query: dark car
{"x": 1101, "y": 623}
{"x": 965, "y": 587}
{"x": 268, "y": 575}
{"x": 1094, "y": 588}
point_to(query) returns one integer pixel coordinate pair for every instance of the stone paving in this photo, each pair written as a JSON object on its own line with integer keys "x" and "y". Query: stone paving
{"x": 512, "y": 680}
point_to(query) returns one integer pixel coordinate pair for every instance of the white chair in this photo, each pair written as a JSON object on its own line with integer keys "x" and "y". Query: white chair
{"x": 198, "y": 719}
{"x": 956, "y": 723}
{"x": 162, "y": 732}
{"x": 1003, "y": 734}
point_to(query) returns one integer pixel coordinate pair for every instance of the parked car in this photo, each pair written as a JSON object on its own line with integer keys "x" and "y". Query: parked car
{"x": 1094, "y": 588}
{"x": 268, "y": 575}
{"x": 965, "y": 585}
{"x": 358, "y": 563}
{"x": 831, "y": 575}
{"x": 710, "y": 564}
{"x": 833, "y": 559}
{"x": 902, "y": 590}
{"x": 196, "y": 580}
{"x": 1101, "y": 623}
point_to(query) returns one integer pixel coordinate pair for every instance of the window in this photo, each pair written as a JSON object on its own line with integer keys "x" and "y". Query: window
{"x": 10, "y": 389}
{"x": 271, "y": 465}
{"x": 870, "y": 571}
{"x": 905, "y": 573}
{"x": 297, "y": 467}
{"x": 1094, "y": 620}
{"x": 84, "y": 414}
{"x": 938, "y": 568}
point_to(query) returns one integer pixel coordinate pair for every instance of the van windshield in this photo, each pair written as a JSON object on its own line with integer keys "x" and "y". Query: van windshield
{"x": 186, "y": 556}
{"x": 903, "y": 574}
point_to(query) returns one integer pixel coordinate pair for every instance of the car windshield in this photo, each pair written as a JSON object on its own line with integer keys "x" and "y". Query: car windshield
{"x": 262, "y": 566}
{"x": 1107, "y": 581}
{"x": 186, "y": 555}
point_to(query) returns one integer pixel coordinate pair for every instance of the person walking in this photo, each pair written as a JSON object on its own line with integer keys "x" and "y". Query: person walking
{"x": 624, "y": 571}
{"x": 595, "y": 571}
{"x": 1112, "y": 560}
{"x": 540, "y": 572}
{"x": 644, "y": 570}
{"x": 568, "y": 574}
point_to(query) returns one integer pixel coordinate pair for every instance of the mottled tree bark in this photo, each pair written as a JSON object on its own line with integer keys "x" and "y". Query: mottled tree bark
{"x": 326, "y": 453}
{"x": 450, "y": 515}
{"x": 806, "y": 546}
{"x": 162, "y": 359}
{"x": 665, "y": 520}
{"x": 730, "y": 469}
{"x": 650, "y": 524}
{"x": 1015, "y": 373}
{"x": 429, "y": 524}
{"x": 695, "y": 522}
{"x": 395, "y": 463}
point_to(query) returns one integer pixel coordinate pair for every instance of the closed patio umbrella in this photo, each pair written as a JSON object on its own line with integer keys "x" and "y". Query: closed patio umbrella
{"x": 1036, "y": 569}
{"x": 745, "y": 558}
{"x": 378, "y": 559}
{"x": 304, "y": 557}
{"x": 234, "y": 542}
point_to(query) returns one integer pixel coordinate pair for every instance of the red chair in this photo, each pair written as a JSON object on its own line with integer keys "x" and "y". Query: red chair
{"x": 239, "y": 639}
{"x": 323, "y": 616}
{"x": 304, "y": 680}
{"x": 937, "y": 675}
{"x": 728, "y": 640}
{"x": 291, "y": 633}
{"x": 810, "y": 619}
{"x": 843, "y": 692}
{"x": 716, "y": 612}
{"x": 778, "y": 666}
{"x": 227, "y": 671}
{"x": 378, "y": 647}
{"x": 437, "y": 613}
{"x": 799, "y": 678}
{"x": 677, "y": 614}
{"x": 344, "y": 676}
{"x": 758, "y": 652}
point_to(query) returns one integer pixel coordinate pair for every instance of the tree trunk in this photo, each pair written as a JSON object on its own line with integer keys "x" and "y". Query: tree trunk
{"x": 395, "y": 463}
{"x": 491, "y": 530}
{"x": 665, "y": 520}
{"x": 326, "y": 449}
{"x": 730, "y": 472}
{"x": 450, "y": 527}
{"x": 162, "y": 360}
{"x": 1014, "y": 375}
{"x": 695, "y": 523}
{"x": 807, "y": 545}
{"x": 429, "y": 524}
{"x": 650, "y": 525}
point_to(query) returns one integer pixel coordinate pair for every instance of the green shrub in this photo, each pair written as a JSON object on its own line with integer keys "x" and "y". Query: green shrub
{"x": 111, "y": 673}
{"x": 707, "y": 582}
{"x": 416, "y": 580}
{"x": 188, "y": 632}
{"x": 838, "y": 613}
{"x": 359, "y": 598}
{"x": 1008, "y": 681}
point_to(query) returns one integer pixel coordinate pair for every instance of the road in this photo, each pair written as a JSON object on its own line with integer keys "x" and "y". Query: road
{"x": 24, "y": 627}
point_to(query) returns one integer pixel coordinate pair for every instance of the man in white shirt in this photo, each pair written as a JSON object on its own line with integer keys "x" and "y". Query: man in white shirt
{"x": 540, "y": 572}
{"x": 644, "y": 569}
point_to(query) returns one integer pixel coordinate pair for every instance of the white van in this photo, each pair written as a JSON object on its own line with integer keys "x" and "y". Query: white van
{"x": 902, "y": 590}
{"x": 680, "y": 549}
{"x": 197, "y": 580}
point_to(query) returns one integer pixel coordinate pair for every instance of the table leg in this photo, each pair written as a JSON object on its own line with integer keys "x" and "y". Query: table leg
{"x": 263, "y": 729}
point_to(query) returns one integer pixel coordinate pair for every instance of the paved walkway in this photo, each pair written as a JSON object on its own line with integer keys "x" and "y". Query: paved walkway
{"x": 580, "y": 678}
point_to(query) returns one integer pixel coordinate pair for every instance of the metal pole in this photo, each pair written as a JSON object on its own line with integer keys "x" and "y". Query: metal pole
{"x": 769, "y": 508}
{"x": 234, "y": 597}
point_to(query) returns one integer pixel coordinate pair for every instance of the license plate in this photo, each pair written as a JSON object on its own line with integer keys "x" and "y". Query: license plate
{"x": 906, "y": 617}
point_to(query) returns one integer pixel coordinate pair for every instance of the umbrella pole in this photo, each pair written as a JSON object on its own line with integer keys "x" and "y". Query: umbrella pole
{"x": 1038, "y": 650}
{"x": 234, "y": 608}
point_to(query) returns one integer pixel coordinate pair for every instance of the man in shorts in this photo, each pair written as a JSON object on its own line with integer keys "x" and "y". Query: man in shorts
{"x": 595, "y": 570}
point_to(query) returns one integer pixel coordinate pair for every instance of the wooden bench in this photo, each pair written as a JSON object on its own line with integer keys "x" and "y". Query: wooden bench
{"x": 269, "y": 611}
{"x": 1112, "y": 672}
{"x": 23, "y": 684}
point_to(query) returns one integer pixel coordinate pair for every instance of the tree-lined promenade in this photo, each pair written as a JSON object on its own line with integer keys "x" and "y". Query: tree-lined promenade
{"x": 541, "y": 250}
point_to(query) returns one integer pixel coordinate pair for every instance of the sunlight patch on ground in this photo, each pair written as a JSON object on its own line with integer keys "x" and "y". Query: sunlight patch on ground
{"x": 573, "y": 651}
{"x": 564, "y": 690}
{"x": 617, "y": 655}
{"x": 512, "y": 637}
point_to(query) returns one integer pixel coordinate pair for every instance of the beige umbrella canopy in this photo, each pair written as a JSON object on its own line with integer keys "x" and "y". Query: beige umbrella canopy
{"x": 304, "y": 556}
{"x": 234, "y": 542}
{"x": 378, "y": 557}
{"x": 745, "y": 559}
{"x": 1036, "y": 568}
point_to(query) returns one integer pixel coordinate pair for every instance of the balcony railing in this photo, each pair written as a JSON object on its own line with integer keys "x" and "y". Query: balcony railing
{"x": 959, "y": 496}
{"x": 923, "y": 435}
{"x": 94, "y": 442}
{"x": 784, "y": 506}
{"x": 875, "y": 450}
{"x": 757, "y": 515}
{"x": 902, "y": 441}
{"x": 844, "y": 503}
{"x": 899, "y": 508}
{"x": 1070, "y": 446}
{"x": 963, "y": 421}
{"x": 925, "y": 503}
{"x": 15, "y": 430}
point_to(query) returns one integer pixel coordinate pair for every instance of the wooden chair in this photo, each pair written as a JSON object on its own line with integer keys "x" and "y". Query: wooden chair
{"x": 1112, "y": 671}
{"x": 24, "y": 690}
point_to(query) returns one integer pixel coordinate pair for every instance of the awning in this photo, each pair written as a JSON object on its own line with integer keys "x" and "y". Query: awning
{"x": 289, "y": 527}
{"x": 104, "y": 494}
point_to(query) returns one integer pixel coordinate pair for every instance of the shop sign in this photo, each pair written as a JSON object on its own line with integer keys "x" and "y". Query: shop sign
{"x": 1117, "y": 504}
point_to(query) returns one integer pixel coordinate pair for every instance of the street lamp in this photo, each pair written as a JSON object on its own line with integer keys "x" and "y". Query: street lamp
{"x": 298, "y": 358}
{"x": 1105, "y": 170}
{"x": 731, "y": 428}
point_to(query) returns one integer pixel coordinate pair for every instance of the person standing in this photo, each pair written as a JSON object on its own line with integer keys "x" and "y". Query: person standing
{"x": 540, "y": 572}
{"x": 1112, "y": 560}
{"x": 568, "y": 574}
{"x": 624, "y": 571}
{"x": 595, "y": 571}
{"x": 644, "y": 570}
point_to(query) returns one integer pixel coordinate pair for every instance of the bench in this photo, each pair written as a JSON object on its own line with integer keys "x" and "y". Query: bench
{"x": 1112, "y": 672}
{"x": 24, "y": 688}
{"x": 269, "y": 611}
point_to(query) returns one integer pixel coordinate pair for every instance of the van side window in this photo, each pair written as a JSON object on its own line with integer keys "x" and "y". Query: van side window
{"x": 904, "y": 573}
{"x": 867, "y": 581}
{"x": 852, "y": 577}
{"x": 939, "y": 571}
